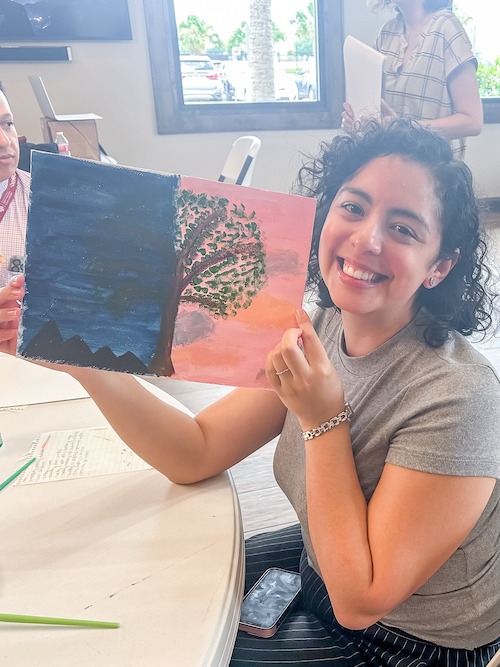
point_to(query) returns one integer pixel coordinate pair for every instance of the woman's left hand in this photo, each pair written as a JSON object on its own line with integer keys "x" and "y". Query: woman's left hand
{"x": 10, "y": 313}
{"x": 300, "y": 372}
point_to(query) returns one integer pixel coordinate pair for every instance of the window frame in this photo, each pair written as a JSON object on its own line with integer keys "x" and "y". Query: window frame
{"x": 173, "y": 116}
{"x": 491, "y": 105}
{"x": 491, "y": 109}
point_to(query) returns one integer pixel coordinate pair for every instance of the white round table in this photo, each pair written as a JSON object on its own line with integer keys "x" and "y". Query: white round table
{"x": 164, "y": 560}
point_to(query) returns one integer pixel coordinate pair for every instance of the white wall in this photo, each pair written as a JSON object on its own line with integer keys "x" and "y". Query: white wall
{"x": 113, "y": 80}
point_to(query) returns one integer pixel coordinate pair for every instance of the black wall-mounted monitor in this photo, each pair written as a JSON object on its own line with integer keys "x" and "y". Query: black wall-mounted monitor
{"x": 64, "y": 20}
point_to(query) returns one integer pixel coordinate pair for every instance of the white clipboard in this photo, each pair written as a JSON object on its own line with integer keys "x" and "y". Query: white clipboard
{"x": 364, "y": 78}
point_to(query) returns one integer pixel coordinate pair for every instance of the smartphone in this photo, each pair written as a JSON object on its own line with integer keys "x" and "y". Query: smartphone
{"x": 268, "y": 601}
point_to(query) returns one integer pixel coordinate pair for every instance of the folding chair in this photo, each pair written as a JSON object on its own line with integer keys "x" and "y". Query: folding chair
{"x": 240, "y": 162}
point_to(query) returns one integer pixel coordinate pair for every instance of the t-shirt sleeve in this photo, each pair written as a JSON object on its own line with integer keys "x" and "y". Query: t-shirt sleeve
{"x": 388, "y": 37}
{"x": 451, "y": 424}
{"x": 457, "y": 45}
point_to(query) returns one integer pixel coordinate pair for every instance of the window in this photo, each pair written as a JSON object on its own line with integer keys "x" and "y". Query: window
{"x": 481, "y": 19}
{"x": 183, "y": 107}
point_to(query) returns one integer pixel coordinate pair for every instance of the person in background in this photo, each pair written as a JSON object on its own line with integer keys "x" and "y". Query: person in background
{"x": 14, "y": 197}
{"x": 388, "y": 419}
{"x": 430, "y": 70}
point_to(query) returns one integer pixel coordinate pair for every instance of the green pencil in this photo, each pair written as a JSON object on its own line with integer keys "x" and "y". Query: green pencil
{"x": 49, "y": 620}
{"x": 16, "y": 474}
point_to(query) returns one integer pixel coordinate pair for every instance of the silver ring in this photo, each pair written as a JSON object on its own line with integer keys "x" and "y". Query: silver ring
{"x": 283, "y": 371}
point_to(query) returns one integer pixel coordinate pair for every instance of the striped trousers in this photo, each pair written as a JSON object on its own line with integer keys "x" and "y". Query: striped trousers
{"x": 310, "y": 634}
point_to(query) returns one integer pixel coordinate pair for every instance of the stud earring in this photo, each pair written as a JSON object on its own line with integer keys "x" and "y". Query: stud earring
{"x": 432, "y": 281}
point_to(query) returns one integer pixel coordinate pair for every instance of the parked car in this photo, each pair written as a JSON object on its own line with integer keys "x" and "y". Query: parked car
{"x": 305, "y": 80}
{"x": 227, "y": 75}
{"x": 285, "y": 86}
{"x": 200, "y": 79}
{"x": 236, "y": 77}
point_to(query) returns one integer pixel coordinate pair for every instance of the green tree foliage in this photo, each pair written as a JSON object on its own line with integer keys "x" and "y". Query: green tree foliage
{"x": 196, "y": 36}
{"x": 304, "y": 31}
{"x": 216, "y": 45}
{"x": 238, "y": 37}
{"x": 488, "y": 76}
{"x": 278, "y": 35}
{"x": 221, "y": 264}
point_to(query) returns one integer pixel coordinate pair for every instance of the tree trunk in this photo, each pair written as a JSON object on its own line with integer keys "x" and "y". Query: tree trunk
{"x": 161, "y": 363}
{"x": 261, "y": 58}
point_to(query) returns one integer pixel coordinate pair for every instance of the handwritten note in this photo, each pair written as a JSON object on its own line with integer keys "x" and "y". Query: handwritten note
{"x": 79, "y": 453}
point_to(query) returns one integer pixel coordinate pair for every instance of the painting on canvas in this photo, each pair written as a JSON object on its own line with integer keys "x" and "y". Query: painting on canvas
{"x": 159, "y": 274}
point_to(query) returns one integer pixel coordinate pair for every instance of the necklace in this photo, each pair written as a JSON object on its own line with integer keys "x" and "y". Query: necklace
{"x": 7, "y": 195}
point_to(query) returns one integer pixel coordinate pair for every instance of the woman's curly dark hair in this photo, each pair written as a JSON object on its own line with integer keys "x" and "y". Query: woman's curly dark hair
{"x": 463, "y": 301}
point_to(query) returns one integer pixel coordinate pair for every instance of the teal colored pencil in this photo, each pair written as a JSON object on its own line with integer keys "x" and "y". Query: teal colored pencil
{"x": 16, "y": 474}
{"x": 50, "y": 620}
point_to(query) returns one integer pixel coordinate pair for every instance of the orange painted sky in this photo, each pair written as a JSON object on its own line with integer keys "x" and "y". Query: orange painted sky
{"x": 235, "y": 352}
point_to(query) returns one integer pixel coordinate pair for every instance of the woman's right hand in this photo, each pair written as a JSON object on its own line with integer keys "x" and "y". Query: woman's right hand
{"x": 350, "y": 126}
{"x": 10, "y": 313}
{"x": 387, "y": 113}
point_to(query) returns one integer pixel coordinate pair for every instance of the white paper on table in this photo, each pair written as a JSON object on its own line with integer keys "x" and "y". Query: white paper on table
{"x": 73, "y": 454}
{"x": 364, "y": 78}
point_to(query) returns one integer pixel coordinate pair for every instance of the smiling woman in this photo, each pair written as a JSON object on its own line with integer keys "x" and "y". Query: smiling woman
{"x": 394, "y": 493}
{"x": 175, "y": 114}
{"x": 384, "y": 226}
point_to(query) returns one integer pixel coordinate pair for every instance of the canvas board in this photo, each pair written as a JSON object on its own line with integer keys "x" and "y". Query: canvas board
{"x": 364, "y": 78}
{"x": 160, "y": 274}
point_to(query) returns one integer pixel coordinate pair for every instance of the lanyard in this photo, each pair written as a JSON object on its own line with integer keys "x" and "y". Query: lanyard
{"x": 8, "y": 194}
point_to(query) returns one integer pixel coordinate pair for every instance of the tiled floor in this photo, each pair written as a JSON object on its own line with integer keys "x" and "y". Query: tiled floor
{"x": 263, "y": 504}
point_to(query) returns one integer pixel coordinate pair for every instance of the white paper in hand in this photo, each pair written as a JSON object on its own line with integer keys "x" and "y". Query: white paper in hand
{"x": 364, "y": 78}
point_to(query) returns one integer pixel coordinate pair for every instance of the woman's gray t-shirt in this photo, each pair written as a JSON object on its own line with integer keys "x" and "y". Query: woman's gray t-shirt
{"x": 433, "y": 410}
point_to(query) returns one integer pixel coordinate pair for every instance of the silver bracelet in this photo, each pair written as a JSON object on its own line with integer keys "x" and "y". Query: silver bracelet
{"x": 343, "y": 416}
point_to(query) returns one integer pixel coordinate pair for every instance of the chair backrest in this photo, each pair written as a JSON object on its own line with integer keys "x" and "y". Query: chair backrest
{"x": 240, "y": 162}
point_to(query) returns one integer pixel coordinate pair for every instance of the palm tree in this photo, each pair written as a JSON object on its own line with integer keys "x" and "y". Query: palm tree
{"x": 261, "y": 60}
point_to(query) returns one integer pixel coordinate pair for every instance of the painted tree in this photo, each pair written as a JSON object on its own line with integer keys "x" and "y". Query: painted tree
{"x": 261, "y": 58}
{"x": 221, "y": 265}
